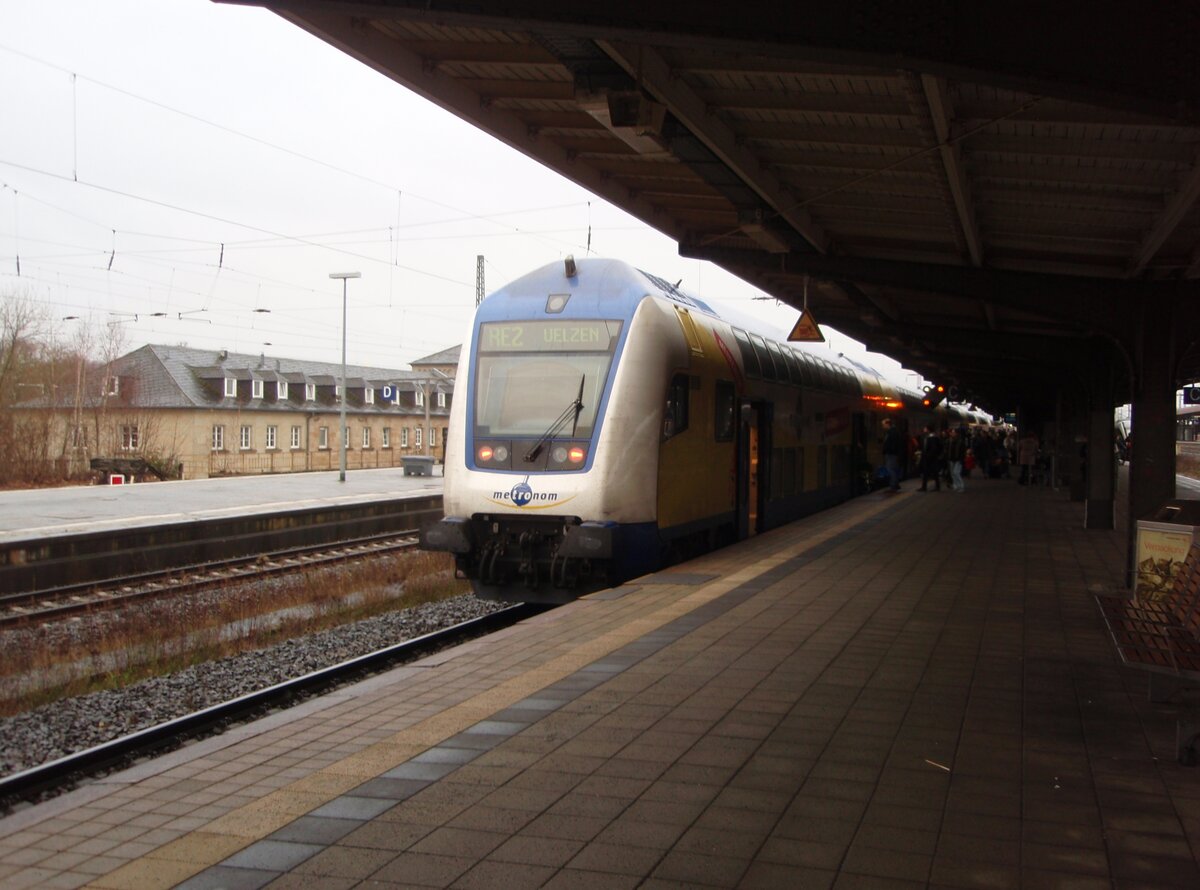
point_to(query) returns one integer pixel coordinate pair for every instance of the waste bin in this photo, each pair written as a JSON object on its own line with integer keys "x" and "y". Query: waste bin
{"x": 417, "y": 465}
{"x": 1163, "y": 542}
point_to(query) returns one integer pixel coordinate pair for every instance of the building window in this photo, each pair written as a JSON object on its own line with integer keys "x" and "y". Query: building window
{"x": 337, "y": 391}
{"x": 441, "y": 399}
{"x": 369, "y": 396}
{"x": 386, "y": 438}
{"x": 230, "y": 387}
{"x": 112, "y": 386}
{"x": 420, "y": 397}
{"x": 417, "y": 438}
{"x": 433, "y": 437}
{"x": 323, "y": 438}
{"x": 310, "y": 392}
{"x": 295, "y": 437}
{"x": 366, "y": 437}
{"x": 218, "y": 437}
{"x": 271, "y": 433}
{"x": 346, "y": 436}
{"x": 403, "y": 437}
{"x": 247, "y": 437}
{"x": 256, "y": 389}
{"x": 129, "y": 437}
{"x": 281, "y": 392}
{"x": 78, "y": 437}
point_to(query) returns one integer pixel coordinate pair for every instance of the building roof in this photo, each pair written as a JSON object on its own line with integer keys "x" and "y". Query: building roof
{"x": 180, "y": 376}
{"x": 445, "y": 357}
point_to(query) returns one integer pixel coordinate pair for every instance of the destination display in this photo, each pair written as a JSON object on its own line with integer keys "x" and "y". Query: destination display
{"x": 548, "y": 336}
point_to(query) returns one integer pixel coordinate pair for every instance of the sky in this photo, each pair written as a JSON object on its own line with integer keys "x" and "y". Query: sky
{"x": 187, "y": 172}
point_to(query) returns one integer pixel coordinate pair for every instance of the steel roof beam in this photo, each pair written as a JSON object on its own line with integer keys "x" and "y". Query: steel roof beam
{"x": 1173, "y": 214}
{"x": 938, "y": 102}
{"x": 650, "y": 71}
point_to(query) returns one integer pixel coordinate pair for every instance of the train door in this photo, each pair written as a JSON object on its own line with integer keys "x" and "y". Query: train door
{"x": 860, "y": 468}
{"x": 753, "y": 483}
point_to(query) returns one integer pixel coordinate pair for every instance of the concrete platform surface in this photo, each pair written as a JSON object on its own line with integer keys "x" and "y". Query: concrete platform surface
{"x": 907, "y": 691}
{"x": 46, "y": 512}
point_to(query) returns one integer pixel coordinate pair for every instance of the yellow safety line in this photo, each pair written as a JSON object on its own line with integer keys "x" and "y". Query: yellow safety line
{"x": 192, "y": 853}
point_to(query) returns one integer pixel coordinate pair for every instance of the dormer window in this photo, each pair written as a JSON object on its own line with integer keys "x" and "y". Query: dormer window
{"x": 310, "y": 392}
{"x": 231, "y": 387}
{"x": 368, "y": 396}
{"x": 420, "y": 397}
{"x": 112, "y": 385}
{"x": 256, "y": 389}
{"x": 441, "y": 399}
{"x": 281, "y": 392}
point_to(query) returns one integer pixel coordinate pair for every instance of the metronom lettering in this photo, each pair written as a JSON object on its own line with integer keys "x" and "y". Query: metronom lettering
{"x": 533, "y": 496}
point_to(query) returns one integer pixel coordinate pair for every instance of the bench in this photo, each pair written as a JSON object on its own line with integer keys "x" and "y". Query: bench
{"x": 1162, "y": 637}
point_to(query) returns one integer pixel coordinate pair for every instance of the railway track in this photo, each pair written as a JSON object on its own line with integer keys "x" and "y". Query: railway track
{"x": 38, "y": 782}
{"x": 72, "y": 599}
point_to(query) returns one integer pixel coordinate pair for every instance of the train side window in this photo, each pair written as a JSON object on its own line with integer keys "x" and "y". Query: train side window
{"x": 749, "y": 357}
{"x": 781, "y": 368}
{"x": 764, "y": 357}
{"x": 726, "y": 412}
{"x": 793, "y": 361}
{"x": 675, "y": 419}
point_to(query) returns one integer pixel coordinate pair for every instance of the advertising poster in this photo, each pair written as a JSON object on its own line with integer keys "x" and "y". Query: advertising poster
{"x": 1161, "y": 552}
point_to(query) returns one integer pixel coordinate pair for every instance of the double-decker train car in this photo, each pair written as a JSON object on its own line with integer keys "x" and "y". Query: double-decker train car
{"x": 607, "y": 424}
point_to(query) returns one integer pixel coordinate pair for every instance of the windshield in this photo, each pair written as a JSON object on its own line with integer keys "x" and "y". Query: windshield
{"x": 529, "y": 372}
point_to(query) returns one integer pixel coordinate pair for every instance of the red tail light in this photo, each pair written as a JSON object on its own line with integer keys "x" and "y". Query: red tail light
{"x": 485, "y": 453}
{"x": 576, "y": 455}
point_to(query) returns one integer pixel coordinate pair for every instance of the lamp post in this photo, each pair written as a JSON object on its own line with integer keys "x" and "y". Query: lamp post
{"x": 342, "y": 456}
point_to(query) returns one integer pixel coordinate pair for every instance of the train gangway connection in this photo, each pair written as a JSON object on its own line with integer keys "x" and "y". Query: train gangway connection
{"x": 913, "y": 690}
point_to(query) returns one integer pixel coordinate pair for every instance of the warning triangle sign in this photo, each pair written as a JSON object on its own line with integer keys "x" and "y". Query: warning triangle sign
{"x": 806, "y": 329}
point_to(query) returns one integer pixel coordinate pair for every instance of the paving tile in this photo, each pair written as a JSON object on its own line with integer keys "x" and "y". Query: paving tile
{"x": 353, "y": 863}
{"x": 531, "y": 850}
{"x": 423, "y": 870}
{"x": 350, "y": 807}
{"x": 467, "y": 842}
{"x": 273, "y": 855}
{"x": 225, "y": 878}
{"x": 490, "y": 875}
{"x": 695, "y": 869}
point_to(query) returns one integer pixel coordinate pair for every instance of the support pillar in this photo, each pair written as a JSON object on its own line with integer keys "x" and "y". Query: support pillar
{"x": 1100, "y": 463}
{"x": 1152, "y": 471}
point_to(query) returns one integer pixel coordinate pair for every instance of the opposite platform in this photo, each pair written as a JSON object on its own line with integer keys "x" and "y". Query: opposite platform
{"x": 39, "y": 513}
{"x": 908, "y": 691}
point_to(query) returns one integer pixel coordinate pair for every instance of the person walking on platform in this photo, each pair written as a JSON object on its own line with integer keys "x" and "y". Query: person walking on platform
{"x": 893, "y": 453}
{"x": 956, "y": 453}
{"x": 1027, "y": 452}
{"x": 931, "y": 459}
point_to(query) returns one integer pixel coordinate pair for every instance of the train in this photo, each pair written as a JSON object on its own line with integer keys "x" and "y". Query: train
{"x": 606, "y": 425}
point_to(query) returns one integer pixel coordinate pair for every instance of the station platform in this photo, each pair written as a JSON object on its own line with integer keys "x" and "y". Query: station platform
{"x": 34, "y": 514}
{"x": 906, "y": 691}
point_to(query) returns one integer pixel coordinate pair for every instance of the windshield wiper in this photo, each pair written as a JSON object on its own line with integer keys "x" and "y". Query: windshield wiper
{"x": 570, "y": 412}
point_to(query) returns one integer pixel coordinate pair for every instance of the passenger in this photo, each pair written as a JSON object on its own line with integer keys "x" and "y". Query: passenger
{"x": 931, "y": 459}
{"x": 1027, "y": 452}
{"x": 893, "y": 453}
{"x": 956, "y": 454}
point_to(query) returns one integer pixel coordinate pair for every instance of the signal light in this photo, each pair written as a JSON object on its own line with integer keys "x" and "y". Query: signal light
{"x": 576, "y": 455}
{"x": 485, "y": 453}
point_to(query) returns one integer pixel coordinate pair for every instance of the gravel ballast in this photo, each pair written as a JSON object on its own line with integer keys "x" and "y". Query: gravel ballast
{"x": 71, "y": 725}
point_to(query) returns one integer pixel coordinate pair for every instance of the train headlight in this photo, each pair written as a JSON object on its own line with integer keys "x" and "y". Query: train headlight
{"x": 492, "y": 454}
{"x": 559, "y": 455}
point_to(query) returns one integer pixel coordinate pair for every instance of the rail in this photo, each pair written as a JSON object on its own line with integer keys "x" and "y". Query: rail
{"x": 31, "y": 783}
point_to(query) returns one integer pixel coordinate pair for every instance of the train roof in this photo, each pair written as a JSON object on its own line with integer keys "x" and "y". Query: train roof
{"x": 621, "y": 286}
